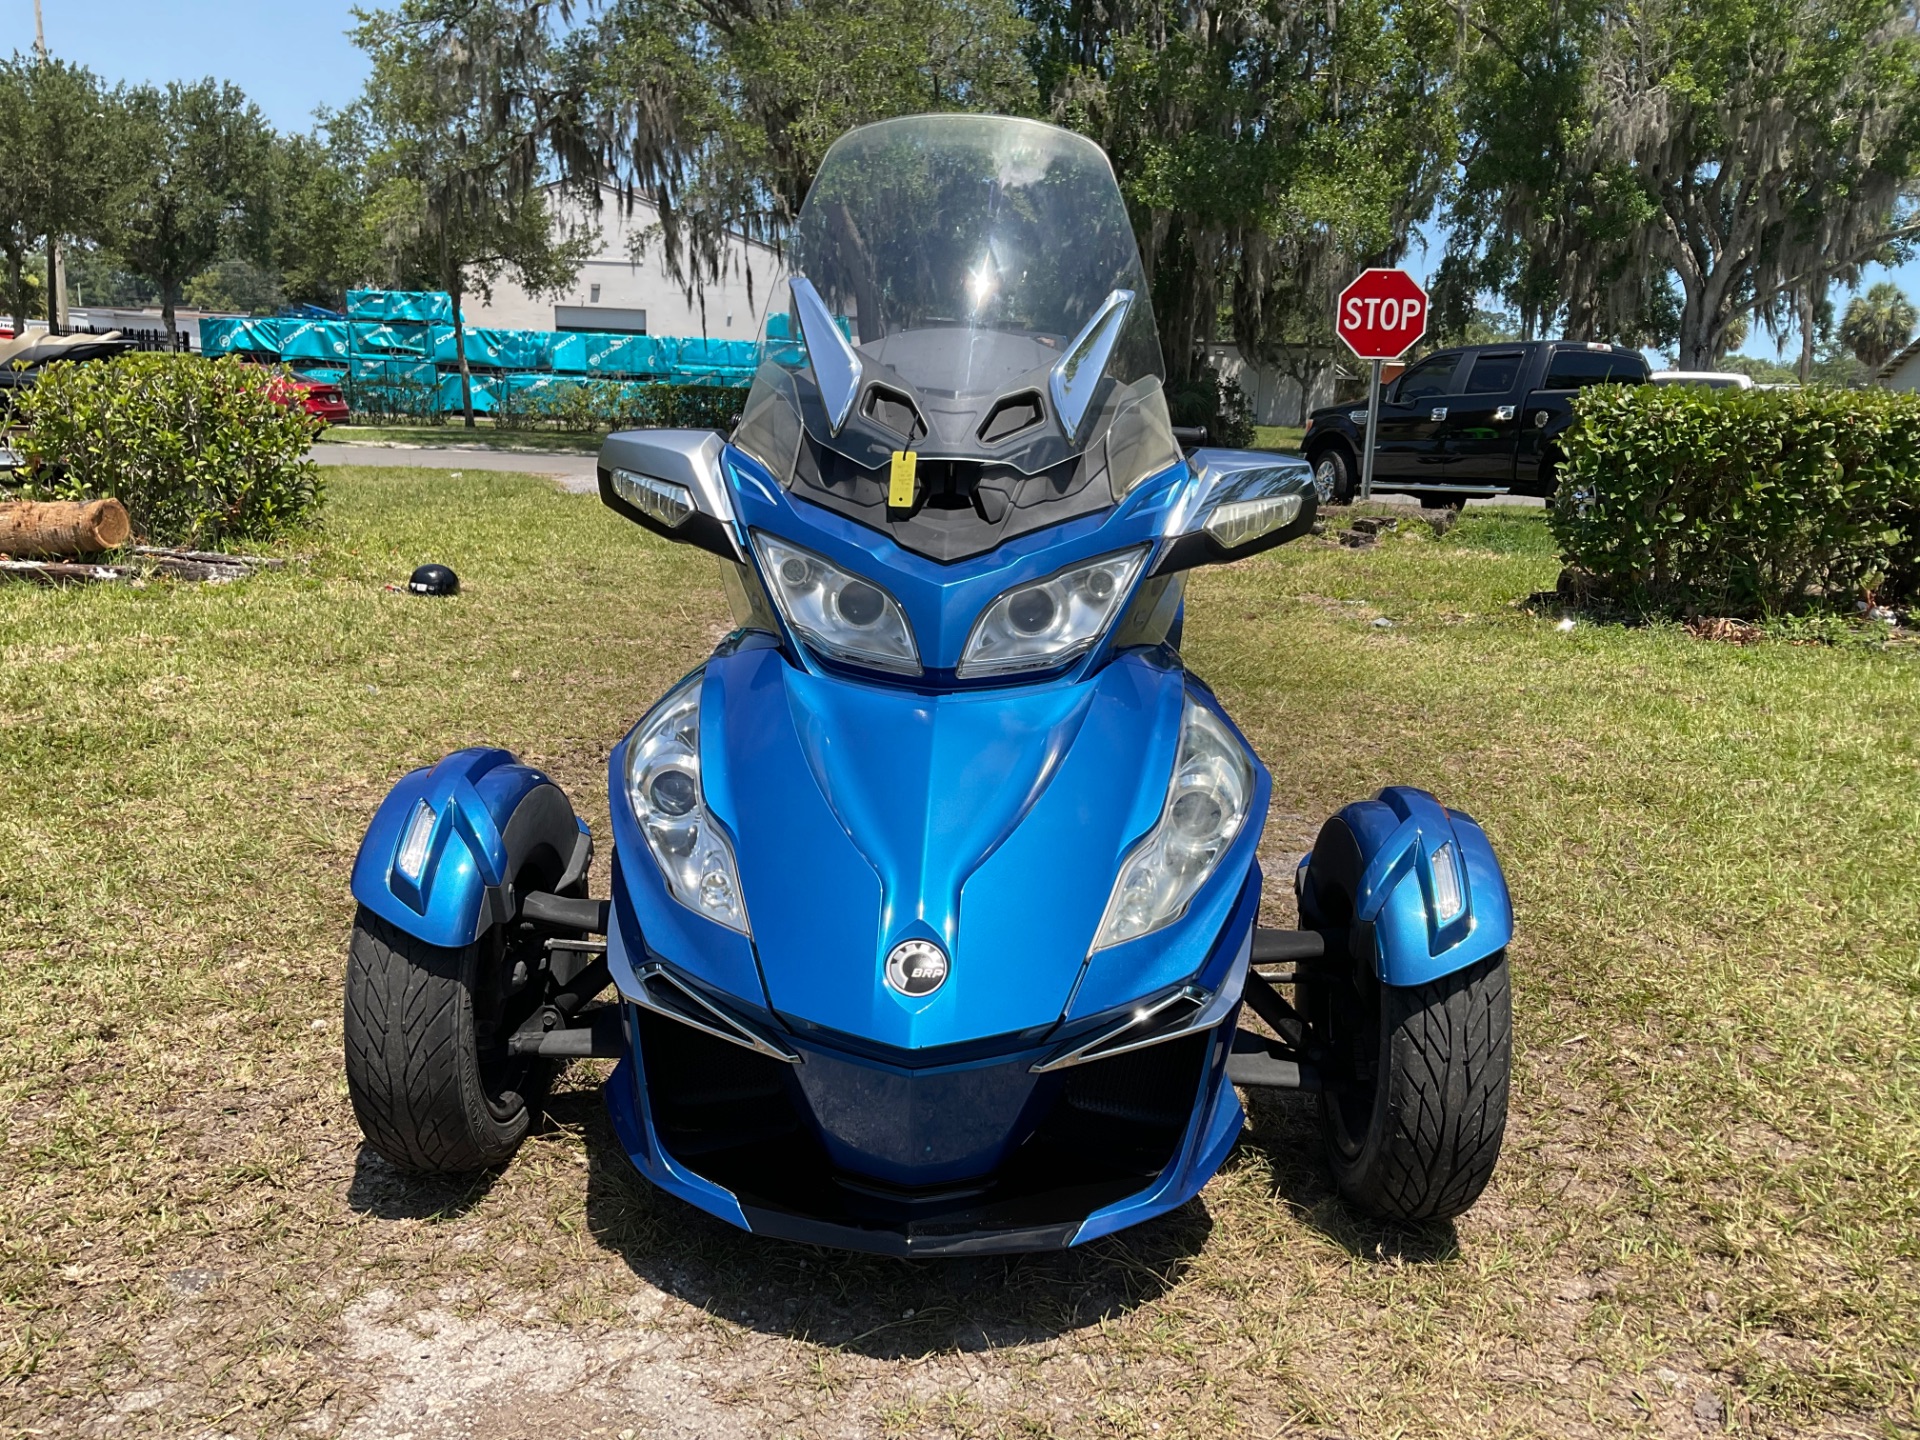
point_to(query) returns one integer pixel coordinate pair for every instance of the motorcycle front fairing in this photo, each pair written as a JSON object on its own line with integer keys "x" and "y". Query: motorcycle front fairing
{"x": 990, "y": 820}
{"x": 993, "y": 824}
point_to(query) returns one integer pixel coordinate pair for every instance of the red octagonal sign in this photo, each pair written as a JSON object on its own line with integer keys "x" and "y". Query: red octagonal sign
{"x": 1381, "y": 314}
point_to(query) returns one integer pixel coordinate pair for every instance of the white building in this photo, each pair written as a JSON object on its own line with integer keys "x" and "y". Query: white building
{"x": 615, "y": 292}
{"x": 1902, "y": 372}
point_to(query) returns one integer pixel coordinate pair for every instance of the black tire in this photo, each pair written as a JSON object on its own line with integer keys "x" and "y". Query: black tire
{"x": 1415, "y": 1104}
{"x": 432, "y": 1086}
{"x": 1416, "y": 1135}
{"x": 1333, "y": 475}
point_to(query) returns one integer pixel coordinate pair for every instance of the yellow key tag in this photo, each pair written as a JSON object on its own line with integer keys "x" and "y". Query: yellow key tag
{"x": 900, "y": 482}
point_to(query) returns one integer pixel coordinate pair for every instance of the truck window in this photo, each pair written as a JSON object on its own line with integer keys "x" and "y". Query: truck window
{"x": 1494, "y": 374}
{"x": 1577, "y": 369}
{"x": 1629, "y": 370}
{"x": 1432, "y": 376}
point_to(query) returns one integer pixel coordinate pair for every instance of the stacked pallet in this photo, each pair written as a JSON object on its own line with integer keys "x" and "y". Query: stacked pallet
{"x": 396, "y": 351}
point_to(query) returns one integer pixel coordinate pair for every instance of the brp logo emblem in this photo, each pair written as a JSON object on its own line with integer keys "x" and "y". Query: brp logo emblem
{"x": 916, "y": 968}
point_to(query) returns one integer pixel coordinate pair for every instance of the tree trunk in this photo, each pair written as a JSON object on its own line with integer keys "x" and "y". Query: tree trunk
{"x": 169, "y": 293}
{"x": 1806, "y": 308}
{"x": 62, "y": 527}
{"x": 17, "y": 290}
{"x": 460, "y": 354}
{"x": 53, "y": 285}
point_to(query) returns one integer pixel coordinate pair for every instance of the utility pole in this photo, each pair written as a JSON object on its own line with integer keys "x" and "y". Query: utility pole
{"x": 56, "y": 261}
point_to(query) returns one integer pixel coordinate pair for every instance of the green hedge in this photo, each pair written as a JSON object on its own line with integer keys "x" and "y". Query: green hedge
{"x": 1742, "y": 502}
{"x": 197, "y": 450}
{"x": 595, "y": 405}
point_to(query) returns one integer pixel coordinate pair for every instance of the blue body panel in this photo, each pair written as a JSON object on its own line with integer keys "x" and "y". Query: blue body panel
{"x": 1399, "y": 832}
{"x": 473, "y": 793}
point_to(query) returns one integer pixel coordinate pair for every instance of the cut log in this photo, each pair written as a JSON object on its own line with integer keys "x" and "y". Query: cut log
{"x": 62, "y": 527}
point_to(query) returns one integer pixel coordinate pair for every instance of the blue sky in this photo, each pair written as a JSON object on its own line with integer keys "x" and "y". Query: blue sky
{"x": 290, "y": 56}
{"x": 293, "y": 56}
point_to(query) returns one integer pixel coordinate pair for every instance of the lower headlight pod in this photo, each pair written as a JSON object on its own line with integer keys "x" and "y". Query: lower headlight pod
{"x": 1206, "y": 805}
{"x": 663, "y": 786}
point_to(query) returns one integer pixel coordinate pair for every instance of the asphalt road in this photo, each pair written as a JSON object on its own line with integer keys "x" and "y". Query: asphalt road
{"x": 575, "y": 472}
{"x": 572, "y": 472}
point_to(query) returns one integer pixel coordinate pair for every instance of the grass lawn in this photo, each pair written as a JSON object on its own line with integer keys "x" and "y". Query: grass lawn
{"x": 485, "y": 435}
{"x": 1705, "y": 1217}
{"x": 1278, "y": 437}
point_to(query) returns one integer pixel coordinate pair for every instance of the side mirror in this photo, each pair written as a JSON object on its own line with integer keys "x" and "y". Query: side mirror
{"x": 1238, "y": 503}
{"x": 672, "y": 482}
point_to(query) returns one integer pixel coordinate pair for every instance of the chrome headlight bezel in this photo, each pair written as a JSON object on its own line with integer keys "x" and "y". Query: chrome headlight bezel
{"x": 1068, "y": 612}
{"x": 661, "y": 776}
{"x": 811, "y": 592}
{"x": 1208, "y": 800}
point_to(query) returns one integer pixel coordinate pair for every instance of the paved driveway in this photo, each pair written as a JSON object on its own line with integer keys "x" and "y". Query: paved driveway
{"x": 576, "y": 472}
{"x": 573, "y": 472}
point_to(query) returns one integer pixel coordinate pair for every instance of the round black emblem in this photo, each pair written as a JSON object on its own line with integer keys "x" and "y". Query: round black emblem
{"x": 916, "y": 968}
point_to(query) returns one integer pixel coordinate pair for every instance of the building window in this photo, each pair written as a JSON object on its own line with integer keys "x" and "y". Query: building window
{"x": 593, "y": 294}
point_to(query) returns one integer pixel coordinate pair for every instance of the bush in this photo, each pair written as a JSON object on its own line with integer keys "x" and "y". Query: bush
{"x": 597, "y": 405}
{"x": 197, "y": 450}
{"x": 1740, "y": 502}
{"x": 1212, "y": 400}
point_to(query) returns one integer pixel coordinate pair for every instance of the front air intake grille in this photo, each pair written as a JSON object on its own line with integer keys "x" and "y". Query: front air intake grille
{"x": 1095, "y": 1133}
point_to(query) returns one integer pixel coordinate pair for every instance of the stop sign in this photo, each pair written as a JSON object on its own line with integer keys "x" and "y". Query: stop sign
{"x": 1381, "y": 314}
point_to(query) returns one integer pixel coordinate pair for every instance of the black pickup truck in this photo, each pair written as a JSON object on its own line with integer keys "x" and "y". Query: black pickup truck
{"x": 1480, "y": 420}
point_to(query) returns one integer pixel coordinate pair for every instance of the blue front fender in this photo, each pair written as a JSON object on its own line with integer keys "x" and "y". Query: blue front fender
{"x": 491, "y": 816}
{"x": 1385, "y": 860}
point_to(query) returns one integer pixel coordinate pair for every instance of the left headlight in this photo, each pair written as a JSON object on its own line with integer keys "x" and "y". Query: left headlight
{"x": 1048, "y": 622}
{"x": 663, "y": 786}
{"x": 1206, "y": 806}
{"x": 836, "y": 612}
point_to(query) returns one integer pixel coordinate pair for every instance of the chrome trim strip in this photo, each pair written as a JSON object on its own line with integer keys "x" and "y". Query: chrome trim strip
{"x": 1076, "y": 374}
{"x": 1102, "y": 1046}
{"x": 836, "y": 368}
{"x": 707, "y": 1018}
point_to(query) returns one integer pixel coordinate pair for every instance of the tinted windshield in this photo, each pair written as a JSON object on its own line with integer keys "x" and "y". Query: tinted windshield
{"x": 984, "y": 273}
{"x": 967, "y": 249}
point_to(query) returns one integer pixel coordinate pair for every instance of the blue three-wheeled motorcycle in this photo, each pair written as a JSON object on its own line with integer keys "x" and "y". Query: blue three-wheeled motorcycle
{"x": 934, "y": 889}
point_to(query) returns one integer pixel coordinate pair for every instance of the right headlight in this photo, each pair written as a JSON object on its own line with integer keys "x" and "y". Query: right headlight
{"x": 663, "y": 786}
{"x": 1048, "y": 622}
{"x": 1205, "y": 808}
{"x": 837, "y": 613}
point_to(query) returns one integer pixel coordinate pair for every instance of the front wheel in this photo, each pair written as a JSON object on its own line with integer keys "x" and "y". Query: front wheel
{"x": 1333, "y": 476}
{"x": 432, "y": 1085}
{"x": 1417, "y": 1106}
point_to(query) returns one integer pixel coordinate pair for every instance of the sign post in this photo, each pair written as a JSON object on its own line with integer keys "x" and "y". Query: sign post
{"x": 1380, "y": 316}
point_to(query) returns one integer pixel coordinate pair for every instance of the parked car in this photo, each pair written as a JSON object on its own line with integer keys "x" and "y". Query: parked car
{"x": 1705, "y": 379}
{"x": 319, "y": 398}
{"x": 1476, "y": 421}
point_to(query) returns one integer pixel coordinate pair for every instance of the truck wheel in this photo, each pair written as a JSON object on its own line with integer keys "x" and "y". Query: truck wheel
{"x": 1333, "y": 476}
{"x": 1417, "y": 1101}
{"x": 432, "y": 1085}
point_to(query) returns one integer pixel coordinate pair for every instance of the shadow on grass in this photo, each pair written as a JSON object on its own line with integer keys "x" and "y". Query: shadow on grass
{"x": 384, "y": 1191}
{"x": 1285, "y": 1129}
{"x": 873, "y": 1305}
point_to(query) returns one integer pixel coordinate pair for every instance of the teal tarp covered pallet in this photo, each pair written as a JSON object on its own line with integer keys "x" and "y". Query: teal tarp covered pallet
{"x": 397, "y": 347}
{"x": 420, "y": 307}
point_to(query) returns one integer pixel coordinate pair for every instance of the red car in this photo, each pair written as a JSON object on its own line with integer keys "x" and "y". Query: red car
{"x": 318, "y": 398}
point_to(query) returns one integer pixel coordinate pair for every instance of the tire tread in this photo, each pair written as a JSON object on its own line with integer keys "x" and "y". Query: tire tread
{"x": 412, "y": 1070}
